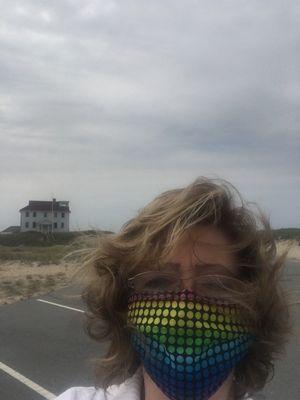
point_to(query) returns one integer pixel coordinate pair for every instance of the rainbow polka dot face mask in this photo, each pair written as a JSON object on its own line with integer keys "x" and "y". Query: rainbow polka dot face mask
{"x": 188, "y": 344}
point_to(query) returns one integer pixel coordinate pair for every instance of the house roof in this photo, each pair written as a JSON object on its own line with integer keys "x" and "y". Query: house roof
{"x": 36, "y": 205}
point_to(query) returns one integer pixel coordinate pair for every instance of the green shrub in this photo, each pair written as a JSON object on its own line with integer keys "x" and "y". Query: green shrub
{"x": 287, "y": 234}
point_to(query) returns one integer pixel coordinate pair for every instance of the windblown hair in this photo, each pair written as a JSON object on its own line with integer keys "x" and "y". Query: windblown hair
{"x": 146, "y": 240}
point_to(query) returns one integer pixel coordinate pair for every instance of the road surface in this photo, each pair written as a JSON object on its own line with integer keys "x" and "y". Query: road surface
{"x": 44, "y": 349}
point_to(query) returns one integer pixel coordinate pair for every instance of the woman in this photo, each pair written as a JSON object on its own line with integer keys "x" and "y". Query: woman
{"x": 188, "y": 295}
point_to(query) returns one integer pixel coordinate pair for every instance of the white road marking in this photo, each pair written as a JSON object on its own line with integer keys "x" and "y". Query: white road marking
{"x": 37, "y": 388}
{"x": 60, "y": 305}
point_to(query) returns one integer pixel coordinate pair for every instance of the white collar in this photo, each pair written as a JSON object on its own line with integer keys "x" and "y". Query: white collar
{"x": 128, "y": 390}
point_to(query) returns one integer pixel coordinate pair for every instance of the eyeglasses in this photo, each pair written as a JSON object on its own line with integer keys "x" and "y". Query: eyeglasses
{"x": 214, "y": 285}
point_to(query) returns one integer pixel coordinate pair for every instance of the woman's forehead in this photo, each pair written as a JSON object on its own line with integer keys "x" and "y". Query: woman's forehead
{"x": 204, "y": 246}
{"x": 210, "y": 235}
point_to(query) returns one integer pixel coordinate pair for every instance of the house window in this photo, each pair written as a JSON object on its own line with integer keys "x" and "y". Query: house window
{"x": 27, "y": 213}
{"x": 63, "y": 215}
{"x": 33, "y": 224}
{"x": 62, "y": 225}
{"x": 55, "y": 215}
{"x": 55, "y": 225}
{"x": 34, "y": 213}
{"x": 26, "y": 224}
{"x": 45, "y": 214}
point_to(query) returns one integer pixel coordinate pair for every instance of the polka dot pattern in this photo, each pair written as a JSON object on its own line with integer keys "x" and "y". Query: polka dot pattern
{"x": 188, "y": 344}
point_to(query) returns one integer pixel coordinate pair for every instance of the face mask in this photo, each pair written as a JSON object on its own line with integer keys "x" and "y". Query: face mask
{"x": 188, "y": 345}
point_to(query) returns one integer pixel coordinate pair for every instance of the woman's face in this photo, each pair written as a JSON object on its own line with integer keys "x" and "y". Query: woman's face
{"x": 200, "y": 353}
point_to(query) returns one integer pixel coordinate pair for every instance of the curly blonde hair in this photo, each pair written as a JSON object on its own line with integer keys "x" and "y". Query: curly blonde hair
{"x": 148, "y": 239}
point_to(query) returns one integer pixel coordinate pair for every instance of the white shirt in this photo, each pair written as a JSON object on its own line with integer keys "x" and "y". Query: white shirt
{"x": 129, "y": 390}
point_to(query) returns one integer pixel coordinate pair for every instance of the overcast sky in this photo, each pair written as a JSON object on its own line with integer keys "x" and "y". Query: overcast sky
{"x": 108, "y": 103}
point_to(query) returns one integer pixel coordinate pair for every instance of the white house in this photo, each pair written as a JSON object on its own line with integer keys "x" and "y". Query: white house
{"x": 45, "y": 216}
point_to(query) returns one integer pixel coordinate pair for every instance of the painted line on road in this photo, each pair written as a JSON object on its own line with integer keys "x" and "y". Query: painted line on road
{"x": 34, "y": 386}
{"x": 60, "y": 305}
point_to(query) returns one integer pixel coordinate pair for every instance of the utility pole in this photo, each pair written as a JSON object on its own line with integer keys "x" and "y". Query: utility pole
{"x": 52, "y": 215}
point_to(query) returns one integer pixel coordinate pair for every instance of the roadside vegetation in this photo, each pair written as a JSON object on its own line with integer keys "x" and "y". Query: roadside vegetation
{"x": 287, "y": 234}
{"x": 43, "y": 248}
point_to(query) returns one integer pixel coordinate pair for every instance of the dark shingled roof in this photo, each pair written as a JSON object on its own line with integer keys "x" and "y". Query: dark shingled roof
{"x": 35, "y": 205}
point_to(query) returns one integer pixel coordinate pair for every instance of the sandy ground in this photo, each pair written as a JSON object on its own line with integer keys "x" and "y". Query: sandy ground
{"x": 20, "y": 281}
{"x": 294, "y": 252}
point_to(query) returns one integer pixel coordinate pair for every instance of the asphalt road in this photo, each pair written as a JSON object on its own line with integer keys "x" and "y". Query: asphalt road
{"x": 47, "y": 345}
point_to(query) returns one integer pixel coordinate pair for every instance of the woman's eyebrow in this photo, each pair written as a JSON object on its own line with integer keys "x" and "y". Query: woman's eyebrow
{"x": 170, "y": 266}
{"x": 197, "y": 265}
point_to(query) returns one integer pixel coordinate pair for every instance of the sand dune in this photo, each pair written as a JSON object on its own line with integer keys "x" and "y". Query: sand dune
{"x": 294, "y": 252}
{"x": 19, "y": 280}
